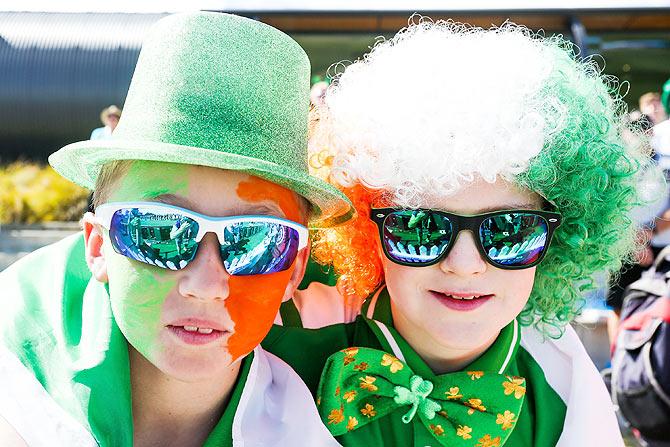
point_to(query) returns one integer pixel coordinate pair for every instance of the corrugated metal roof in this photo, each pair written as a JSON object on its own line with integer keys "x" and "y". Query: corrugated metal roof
{"x": 57, "y": 71}
{"x": 75, "y": 30}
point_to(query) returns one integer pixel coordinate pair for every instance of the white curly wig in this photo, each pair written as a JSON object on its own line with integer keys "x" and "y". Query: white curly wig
{"x": 420, "y": 113}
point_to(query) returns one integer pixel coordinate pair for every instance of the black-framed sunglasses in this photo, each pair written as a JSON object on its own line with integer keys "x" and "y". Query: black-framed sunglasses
{"x": 508, "y": 239}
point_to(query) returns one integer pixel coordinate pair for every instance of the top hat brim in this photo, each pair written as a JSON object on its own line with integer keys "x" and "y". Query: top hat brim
{"x": 81, "y": 163}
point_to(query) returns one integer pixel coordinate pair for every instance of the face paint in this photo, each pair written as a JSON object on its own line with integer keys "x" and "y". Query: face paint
{"x": 259, "y": 190}
{"x": 253, "y": 301}
{"x": 149, "y": 179}
{"x": 146, "y": 299}
{"x": 138, "y": 301}
{"x": 138, "y": 291}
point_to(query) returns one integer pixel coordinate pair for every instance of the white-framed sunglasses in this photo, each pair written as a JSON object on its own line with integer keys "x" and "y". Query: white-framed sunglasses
{"x": 168, "y": 236}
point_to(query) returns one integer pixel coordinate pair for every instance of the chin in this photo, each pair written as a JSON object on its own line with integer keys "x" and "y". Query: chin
{"x": 463, "y": 335}
{"x": 195, "y": 367}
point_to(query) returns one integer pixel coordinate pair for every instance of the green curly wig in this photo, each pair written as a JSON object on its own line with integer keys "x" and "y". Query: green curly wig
{"x": 593, "y": 178}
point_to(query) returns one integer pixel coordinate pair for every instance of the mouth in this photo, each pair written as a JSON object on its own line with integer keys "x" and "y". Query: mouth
{"x": 461, "y": 301}
{"x": 196, "y": 332}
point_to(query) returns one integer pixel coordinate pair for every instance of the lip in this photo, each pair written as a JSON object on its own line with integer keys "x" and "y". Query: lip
{"x": 462, "y": 305}
{"x": 195, "y": 338}
{"x": 176, "y": 328}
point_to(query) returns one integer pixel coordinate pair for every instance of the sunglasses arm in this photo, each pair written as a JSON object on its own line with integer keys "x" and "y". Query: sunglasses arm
{"x": 103, "y": 217}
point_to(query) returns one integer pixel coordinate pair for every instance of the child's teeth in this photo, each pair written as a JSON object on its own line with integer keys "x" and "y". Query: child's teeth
{"x": 462, "y": 297}
{"x": 201, "y": 330}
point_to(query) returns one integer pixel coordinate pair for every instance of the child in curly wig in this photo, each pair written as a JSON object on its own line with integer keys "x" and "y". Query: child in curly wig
{"x": 491, "y": 183}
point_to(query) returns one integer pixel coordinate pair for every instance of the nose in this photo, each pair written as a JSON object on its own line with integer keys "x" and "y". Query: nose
{"x": 464, "y": 258}
{"x": 205, "y": 277}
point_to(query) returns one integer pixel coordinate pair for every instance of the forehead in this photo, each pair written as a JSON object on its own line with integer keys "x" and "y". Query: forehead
{"x": 482, "y": 196}
{"x": 211, "y": 191}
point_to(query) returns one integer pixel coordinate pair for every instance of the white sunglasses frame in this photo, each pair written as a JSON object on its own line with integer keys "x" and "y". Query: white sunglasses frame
{"x": 206, "y": 224}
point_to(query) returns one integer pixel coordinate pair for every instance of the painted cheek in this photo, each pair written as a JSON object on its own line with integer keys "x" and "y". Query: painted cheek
{"x": 258, "y": 190}
{"x": 253, "y": 303}
{"x": 137, "y": 294}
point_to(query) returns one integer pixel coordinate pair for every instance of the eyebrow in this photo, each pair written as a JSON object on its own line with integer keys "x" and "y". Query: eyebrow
{"x": 170, "y": 199}
{"x": 183, "y": 202}
{"x": 511, "y": 206}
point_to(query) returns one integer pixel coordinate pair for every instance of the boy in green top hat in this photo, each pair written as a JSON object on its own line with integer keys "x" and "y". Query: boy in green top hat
{"x": 464, "y": 151}
{"x": 201, "y": 200}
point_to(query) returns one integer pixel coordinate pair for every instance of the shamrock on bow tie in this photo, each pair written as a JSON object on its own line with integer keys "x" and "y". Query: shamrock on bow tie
{"x": 470, "y": 408}
{"x": 417, "y": 397}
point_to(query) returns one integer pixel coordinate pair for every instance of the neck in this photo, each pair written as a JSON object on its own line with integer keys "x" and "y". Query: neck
{"x": 170, "y": 412}
{"x": 439, "y": 357}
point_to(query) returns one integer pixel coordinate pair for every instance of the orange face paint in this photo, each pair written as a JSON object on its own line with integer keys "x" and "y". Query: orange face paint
{"x": 258, "y": 190}
{"x": 253, "y": 301}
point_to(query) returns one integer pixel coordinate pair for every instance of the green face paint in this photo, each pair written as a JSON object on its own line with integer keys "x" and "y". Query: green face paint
{"x": 148, "y": 179}
{"x": 138, "y": 291}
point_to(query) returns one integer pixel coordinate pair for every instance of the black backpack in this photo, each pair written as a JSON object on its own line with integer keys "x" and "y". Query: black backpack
{"x": 641, "y": 355}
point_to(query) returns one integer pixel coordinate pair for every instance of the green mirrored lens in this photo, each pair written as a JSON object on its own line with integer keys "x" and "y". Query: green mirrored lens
{"x": 416, "y": 236}
{"x": 514, "y": 239}
{"x": 163, "y": 239}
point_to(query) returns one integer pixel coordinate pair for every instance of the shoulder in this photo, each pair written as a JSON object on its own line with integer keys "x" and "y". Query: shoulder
{"x": 9, "y": 436}
{"x": 97, "y": 133}
{"x": 31, "y": 285}
{"x": 26, "y": 404}
{"x": 322, "y": 305}
{"x": 293, "y": 419}
{"x": 306, "y": 350}
{"x": 558, "y": 358}
{"x": 563, "y": 367}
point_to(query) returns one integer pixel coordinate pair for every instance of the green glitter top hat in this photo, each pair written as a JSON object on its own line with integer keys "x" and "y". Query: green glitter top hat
{"x": 215, "y": 90}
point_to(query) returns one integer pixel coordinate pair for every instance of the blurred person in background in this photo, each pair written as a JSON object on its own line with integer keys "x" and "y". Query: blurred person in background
{"x": 645, "y": 217}
{"x": 660, "y": 136}
{"x": 318, "y": 92}
{"x": 110, "y": 118}
{"x": 650, "y": 105}
{"x": 639, "y": 376}
{"x": 657, "y": 107}
{"x": 654, "y": 219}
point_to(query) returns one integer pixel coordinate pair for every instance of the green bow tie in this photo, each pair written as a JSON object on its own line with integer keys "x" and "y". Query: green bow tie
{"x": 473, "y": 408}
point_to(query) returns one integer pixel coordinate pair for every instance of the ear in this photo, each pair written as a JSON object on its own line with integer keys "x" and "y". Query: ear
{"x": 300, "y": 265}
{"x": 93, "y": 240}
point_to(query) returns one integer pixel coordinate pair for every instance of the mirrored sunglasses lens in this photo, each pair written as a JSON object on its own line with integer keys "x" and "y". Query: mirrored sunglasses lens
{"x": 255, "y": 248}
{"x": 165, "y": 240}
{"x": 416, "y": 236}
{"x": 514, "y": 239}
